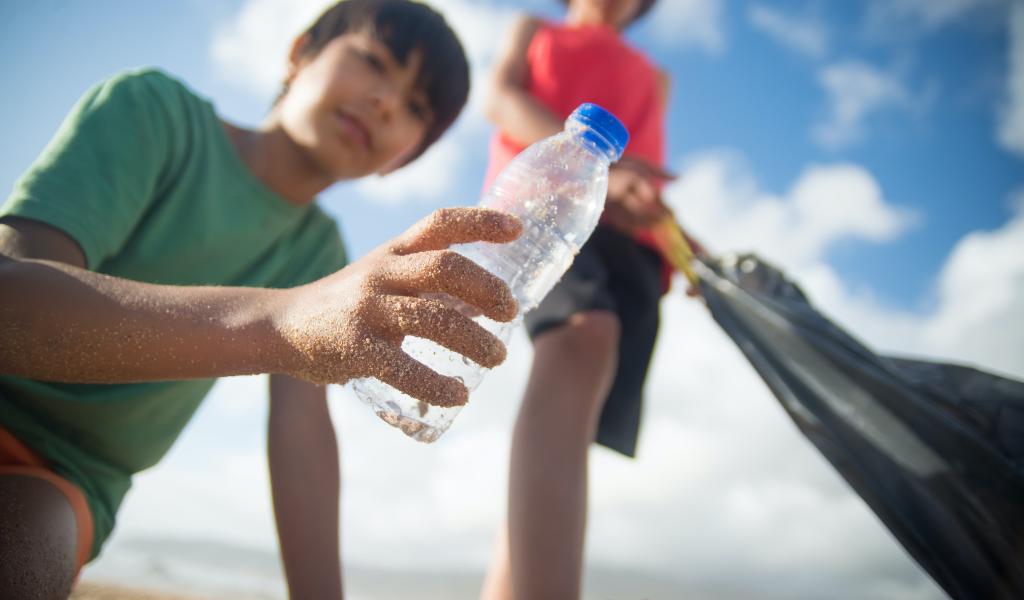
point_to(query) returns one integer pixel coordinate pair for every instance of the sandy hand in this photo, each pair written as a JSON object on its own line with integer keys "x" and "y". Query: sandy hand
{"x": 351, "y": 324}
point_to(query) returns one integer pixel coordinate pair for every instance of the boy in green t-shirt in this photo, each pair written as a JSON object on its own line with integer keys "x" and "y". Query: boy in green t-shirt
{"x": 153, "y": 247}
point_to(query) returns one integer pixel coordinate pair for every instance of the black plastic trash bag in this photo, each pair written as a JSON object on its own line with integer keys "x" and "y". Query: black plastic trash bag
{"x": 936, "y": 450}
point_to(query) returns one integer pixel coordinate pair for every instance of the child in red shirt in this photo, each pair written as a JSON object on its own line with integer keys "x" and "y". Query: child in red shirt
{"x": 594, "y": 334}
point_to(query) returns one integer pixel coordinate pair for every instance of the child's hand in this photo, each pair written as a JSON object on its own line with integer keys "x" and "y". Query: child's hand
{"x": 652, "y": 171}
{"x": 634, "y": 201}
{"x": 351, "y": 324}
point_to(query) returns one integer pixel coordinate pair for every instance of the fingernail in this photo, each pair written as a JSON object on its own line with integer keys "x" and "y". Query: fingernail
{"x": 497, "y": 356}
{"x": 510, "y": 309}
{"x": 511, "y": 223}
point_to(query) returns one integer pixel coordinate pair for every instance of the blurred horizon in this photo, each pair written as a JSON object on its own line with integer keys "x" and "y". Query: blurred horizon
{"x": 214, "y": 569}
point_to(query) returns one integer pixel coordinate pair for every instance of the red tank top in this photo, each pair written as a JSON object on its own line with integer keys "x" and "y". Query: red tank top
{"x": 568, "y": 66}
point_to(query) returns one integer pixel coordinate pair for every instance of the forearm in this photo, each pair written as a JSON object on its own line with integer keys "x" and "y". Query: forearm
{"x": 63, "y": 323}
{"x": 305, "y": 478}
{"x": 521, "y": 116}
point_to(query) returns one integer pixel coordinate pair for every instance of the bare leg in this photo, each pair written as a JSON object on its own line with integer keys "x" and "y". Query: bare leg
{"x": 572, "y": 371}
{"x": 38, "y": 539}
{"x": 497, "y": 585}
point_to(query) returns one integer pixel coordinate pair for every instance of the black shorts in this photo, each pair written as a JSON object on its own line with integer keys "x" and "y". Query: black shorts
{"x": 614, "y": 273}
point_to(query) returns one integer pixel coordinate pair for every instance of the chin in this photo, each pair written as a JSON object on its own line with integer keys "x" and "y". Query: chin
{"x": 350, "y": 172}
{"x": 341, "y": 168}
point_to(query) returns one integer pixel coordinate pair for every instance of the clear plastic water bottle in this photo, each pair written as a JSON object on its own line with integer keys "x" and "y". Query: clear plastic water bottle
{"x": 557, "y": 187}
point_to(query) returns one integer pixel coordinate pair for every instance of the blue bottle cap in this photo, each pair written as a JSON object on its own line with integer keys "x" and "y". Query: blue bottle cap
{"x": 603, "y": 128}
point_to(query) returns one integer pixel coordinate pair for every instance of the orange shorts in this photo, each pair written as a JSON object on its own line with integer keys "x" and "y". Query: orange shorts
{"x": 18, "y": 459}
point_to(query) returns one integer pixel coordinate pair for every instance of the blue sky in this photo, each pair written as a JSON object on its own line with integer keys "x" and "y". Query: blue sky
{"x": 934, "y": 151}
{"x": 873, "y": 149}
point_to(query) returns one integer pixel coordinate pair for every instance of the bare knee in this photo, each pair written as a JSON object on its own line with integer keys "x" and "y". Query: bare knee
{"x": 574, "y": 366}
{"x": 588, "y": 338}
{"x": 37, "y": 539}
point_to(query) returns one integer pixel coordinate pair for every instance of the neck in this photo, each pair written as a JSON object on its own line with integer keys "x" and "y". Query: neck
{"x": 580, "y": 16}
{"x": 275, "y": 160}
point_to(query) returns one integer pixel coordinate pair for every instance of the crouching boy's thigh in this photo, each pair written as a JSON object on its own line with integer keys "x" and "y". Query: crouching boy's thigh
{"x": 38, "y": 537}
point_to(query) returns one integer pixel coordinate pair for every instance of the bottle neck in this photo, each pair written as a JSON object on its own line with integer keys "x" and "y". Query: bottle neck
{"x": 592, "y": 140}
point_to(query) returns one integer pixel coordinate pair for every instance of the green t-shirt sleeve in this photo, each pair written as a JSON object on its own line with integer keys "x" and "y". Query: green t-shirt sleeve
{"x": 99, "y": 173}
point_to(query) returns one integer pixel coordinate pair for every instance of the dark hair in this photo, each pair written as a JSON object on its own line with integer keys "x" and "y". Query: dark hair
{"x": 645, "y": 7}
{"x": 404, "y": 27}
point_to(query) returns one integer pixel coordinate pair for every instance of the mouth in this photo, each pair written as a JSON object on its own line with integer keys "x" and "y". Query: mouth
{"x": 354, "y": 129}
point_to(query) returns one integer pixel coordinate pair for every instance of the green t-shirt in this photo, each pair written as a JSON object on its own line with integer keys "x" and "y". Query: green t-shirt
{"x": 143, "y": 176}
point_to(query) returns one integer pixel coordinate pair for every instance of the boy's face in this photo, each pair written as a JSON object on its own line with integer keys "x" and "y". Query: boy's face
{"x": 353, "y": 107}
{"x": 616, "y": 13}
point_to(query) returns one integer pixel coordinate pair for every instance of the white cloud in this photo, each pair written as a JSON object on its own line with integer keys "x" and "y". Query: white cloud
{"x": 807, "y": 36}
{"x": 826, "y": 204}
{"x": 855, "y": 91}
{"x": 979, "y": 290}
{"x": 981, "y": 300}
{"x": 689, "y": 23}
{"x": 1011, "y": 124}
{"x": 252, "y": 49}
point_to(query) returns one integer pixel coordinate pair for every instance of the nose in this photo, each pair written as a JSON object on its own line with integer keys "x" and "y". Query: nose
{"x": 386, "y": 99}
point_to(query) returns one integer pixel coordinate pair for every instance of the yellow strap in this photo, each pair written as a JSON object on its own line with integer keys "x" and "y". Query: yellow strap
{"x": 677, "y": 250}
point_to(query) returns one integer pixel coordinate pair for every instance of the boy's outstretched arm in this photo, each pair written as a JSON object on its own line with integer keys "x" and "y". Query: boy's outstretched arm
{"x": 509, "y": 105}
{"x": 302, "y": 452}
{"x": 64, "y": 323}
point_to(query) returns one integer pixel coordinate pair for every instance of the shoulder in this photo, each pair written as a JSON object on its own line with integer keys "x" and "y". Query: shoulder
{"x": 148, "y": 82}
{"x": 148, "y": 89}
{"x": 525, "y": 23}
{"x": 664, "y": 77}
{"x": 145, "y": 102}
{"x": 664, "y": 83}
{"x": 524, "y": 28}
{"x": 513, "y": 59}
{"x": 146, "y": 77}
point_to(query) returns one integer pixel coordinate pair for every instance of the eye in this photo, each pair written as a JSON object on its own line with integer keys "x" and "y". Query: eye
{"x": 372, "y": 60}
{"x": 419, "y": 110}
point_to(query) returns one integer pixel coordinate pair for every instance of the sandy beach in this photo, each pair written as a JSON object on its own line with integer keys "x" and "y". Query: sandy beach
{"x": 105, "y": 591}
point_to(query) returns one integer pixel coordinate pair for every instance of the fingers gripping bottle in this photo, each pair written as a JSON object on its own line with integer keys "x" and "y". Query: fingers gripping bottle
{"x": 557, "y": 187}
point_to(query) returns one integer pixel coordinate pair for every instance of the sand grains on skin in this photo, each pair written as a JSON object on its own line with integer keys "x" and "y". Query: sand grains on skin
{"x": 401, "y": 298}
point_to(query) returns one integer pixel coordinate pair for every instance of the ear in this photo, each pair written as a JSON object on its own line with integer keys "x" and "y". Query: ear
{"x": 296, "y": 56}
